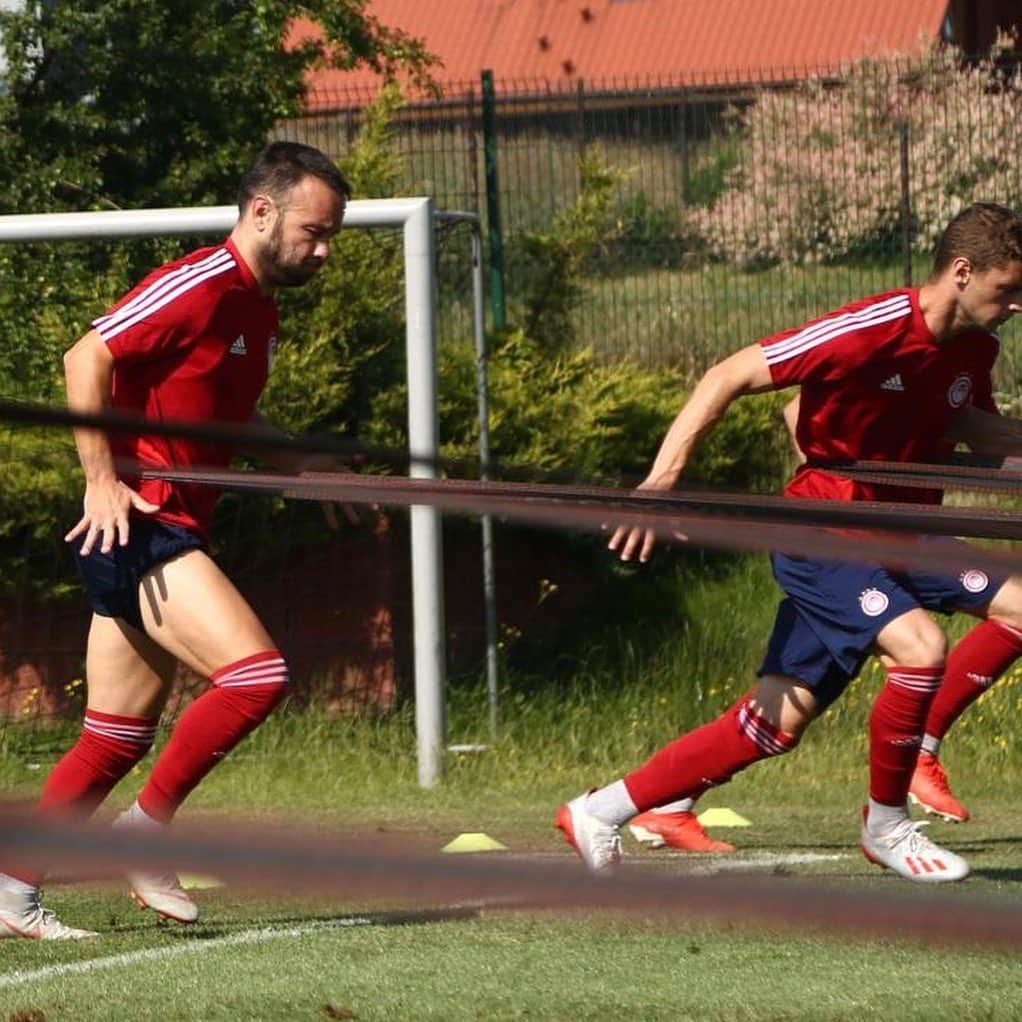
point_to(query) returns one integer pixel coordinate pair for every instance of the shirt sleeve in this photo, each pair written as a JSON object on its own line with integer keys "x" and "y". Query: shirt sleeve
{"x": 830, "y": 347}
{"x": 163, "y": 314}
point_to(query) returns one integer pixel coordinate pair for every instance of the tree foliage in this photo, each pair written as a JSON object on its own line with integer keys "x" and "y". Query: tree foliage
{"x": 135, "y": 104}
{"x": 344, "y": 339}
{"x": 127, "y": 103}
{"x": 554, "y": 260}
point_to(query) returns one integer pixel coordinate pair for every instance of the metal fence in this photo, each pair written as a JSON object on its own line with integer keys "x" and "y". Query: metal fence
{"x": 741, "y": 209}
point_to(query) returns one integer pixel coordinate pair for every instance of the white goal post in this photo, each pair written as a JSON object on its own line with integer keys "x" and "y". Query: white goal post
{"x": 415, "y": 216}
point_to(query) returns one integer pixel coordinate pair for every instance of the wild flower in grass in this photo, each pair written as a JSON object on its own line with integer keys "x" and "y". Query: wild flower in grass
{"x": 31, "y": 703}
{"x": 508, "y": 635}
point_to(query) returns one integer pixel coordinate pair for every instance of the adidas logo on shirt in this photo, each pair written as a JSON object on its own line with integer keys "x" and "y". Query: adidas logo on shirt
{"x": 891, "y": 383}
{"x": 238, "y": 347}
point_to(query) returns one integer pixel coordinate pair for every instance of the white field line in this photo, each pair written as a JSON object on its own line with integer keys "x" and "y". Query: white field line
{"x": 712, "y": 863}
{"x": 262, "y": 935}
{"x": 724, "y": 864}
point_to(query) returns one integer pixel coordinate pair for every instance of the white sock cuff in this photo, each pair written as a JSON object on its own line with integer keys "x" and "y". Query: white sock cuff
{"x": 881, "y": 819}
{"x": 612, "y": 804}
{"x": 682, "y": 805}
{"x": 136, "y": 816}
{"x": 15, "y": 886}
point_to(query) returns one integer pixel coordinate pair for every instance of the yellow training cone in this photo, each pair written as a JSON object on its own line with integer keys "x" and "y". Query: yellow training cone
{"x": 196, "y": 882}
{"x": 722, "y": 818}
{"x": 474, "y": 843}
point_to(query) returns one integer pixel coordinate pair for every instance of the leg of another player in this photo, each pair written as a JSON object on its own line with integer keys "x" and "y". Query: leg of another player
{"x": 195, "y": 612}
{"x": 128, "y": 678}
{"x": 912, "y": 648}
{"x": 768, "y": 721}
{"x": 977, "y": 661}
{"x": 676, "y": 825}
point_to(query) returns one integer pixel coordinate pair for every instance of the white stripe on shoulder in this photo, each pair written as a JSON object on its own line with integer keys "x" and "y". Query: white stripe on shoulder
{"x": 161, "y": 285}
{"x": 168, "y": 280}
{"x": 837, "y": 326}
{"x": 837, "y": 330}
{"x": 820, "y": 325}
{"x": 163, "y": 291}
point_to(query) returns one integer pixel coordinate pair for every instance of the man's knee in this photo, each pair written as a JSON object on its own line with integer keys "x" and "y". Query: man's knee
{"x": 785, "y": 704}
{"x": 913, "y": 640}
{"x": 1006, "y": 606}
{"x": 256, "y": 684}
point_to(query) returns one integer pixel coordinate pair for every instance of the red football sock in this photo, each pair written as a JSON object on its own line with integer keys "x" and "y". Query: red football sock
{"x": 242, "y": 697}
{"x": 710, "y": 755}
{"x": 108, "y": 747}
{"x": 896, "y": 729}
{"x": 974, "y": 664}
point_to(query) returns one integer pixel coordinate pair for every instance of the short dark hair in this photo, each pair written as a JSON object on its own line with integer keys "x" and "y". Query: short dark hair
{"x": 985, "y": 233}
{"x": 282, "y": 165}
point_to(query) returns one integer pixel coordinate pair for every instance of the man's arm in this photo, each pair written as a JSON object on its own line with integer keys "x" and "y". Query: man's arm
{"x": 304, "y": 463}
{"x": 745, "y": 372}
{"x": 88, "y": 374}
{"x": 282, "y": 460}
{"x": 998, "y": 436}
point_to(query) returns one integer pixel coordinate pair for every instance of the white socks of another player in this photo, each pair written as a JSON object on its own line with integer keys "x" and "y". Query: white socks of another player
{"x": 612, "y": 804}
{"x": 683, "y": 805}
{"x": 881, "y": 819}
{"x": 134, "y": 816}
{"x": 15, "y": 886}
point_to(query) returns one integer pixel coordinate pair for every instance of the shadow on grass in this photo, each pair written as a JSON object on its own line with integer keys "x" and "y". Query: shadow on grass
{"x": 1013, "y": 876}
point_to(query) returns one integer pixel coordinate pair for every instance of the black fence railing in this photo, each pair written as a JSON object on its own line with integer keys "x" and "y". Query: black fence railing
{"x": 741, "y": 209}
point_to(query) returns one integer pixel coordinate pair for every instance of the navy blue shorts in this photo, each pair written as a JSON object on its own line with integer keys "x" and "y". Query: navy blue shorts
{"x": 826, "y": 628}
{"x": 111, "y": 580}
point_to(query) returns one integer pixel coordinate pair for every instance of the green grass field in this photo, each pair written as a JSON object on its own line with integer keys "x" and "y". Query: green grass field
{"x": 321, "y": 958}
{"x": 317, "y": 959}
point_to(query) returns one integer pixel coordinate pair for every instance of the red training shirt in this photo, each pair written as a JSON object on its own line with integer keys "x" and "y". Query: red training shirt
{"x": 192, "y": 341}
{"x": 877, "y": 387}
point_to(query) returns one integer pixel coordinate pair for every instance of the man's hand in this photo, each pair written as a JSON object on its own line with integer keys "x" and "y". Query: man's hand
{"x": 105, "y": 517}
{"x": 628, "y": 539}
{"x": 326, "y": 466}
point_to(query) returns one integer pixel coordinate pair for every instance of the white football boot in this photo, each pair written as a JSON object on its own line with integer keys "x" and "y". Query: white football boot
{"x": 162, "y": 892}
{"x": 22, "y": 915}
{"x": 597, "y": 843}
{"x": 911, "y": 854}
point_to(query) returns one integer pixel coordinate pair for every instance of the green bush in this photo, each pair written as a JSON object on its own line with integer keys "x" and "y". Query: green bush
{"x": 40, "y": 495}
{"x": 552, "y": 261}
{"x": 341, "y": 343}
{"x": 649, "y": 236}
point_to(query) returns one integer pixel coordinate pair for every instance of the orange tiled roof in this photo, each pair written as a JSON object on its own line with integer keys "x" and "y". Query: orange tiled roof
{"x": 680, "y": 41}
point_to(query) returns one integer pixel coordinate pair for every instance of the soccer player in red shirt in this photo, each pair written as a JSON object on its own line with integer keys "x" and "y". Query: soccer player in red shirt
{"x": 677, "y": 825}
{"x": 892, "y": 378}
{"x": 192, "y": 341}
